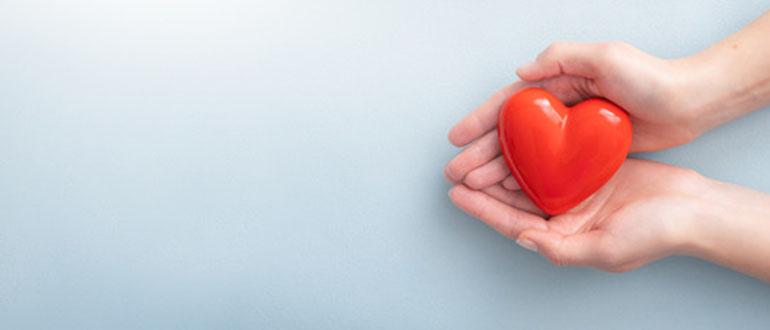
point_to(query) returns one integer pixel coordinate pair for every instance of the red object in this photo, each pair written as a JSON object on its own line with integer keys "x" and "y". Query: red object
{"x": 560, "y": 156}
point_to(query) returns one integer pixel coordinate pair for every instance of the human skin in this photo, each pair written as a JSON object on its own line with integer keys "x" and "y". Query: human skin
{"x": 636, "y": 217}
{"x": 647, "y": 211}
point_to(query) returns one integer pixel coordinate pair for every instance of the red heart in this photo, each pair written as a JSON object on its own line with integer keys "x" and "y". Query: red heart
{"x": 560, "y": 156}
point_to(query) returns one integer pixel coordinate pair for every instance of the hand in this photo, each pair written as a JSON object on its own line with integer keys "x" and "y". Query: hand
{"x": 645, "y": 212}
{"x": 650, "y": 89}
{"x": 653, "y": 91}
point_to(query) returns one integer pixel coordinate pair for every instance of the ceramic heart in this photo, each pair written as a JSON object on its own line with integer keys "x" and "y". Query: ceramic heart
{"x": 559, "y": 155}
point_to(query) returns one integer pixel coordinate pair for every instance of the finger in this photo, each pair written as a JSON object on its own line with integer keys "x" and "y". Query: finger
{"x": 571, "y": 89}
{"x": 488, "y": 174}
{"x": 484, "y": 118}
{"x": 478, "y": 154}
{"x": 571, "y": 58}
{"x": 517, "y": 199}
{"x": 592, "y": 248}
{"x": 507, "y": 220}
{"x": 510, "y": 183}
{"x": 569, "y": 223}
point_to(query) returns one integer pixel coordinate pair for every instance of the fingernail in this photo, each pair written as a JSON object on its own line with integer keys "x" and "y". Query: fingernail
{"x": 449, "y": 176}
{"x": 527, "y": 244}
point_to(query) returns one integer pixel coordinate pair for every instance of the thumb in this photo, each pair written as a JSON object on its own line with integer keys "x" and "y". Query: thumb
{"x": 570, "y": 58}
{"x": 583, "y": 249}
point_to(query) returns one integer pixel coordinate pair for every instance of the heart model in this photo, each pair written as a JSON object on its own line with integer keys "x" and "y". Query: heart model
{"x": 560, "y": 156}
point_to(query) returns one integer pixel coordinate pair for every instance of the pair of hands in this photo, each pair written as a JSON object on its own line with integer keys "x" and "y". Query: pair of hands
{"x": 645, "y": 212}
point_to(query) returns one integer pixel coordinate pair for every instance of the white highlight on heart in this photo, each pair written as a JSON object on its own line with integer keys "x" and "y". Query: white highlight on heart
{"x": 611, "y": 117}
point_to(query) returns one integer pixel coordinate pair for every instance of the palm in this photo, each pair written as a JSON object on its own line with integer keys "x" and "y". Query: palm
{"x": 632, "y": 213}
{"x": 624, "y": 222}
{"x": 627, "y": 223}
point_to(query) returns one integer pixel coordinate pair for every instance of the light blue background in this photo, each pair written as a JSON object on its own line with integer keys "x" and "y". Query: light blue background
{"x": 239, "y": 165}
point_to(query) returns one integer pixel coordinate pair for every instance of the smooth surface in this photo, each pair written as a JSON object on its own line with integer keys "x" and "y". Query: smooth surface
{"x": 239, "y": 165}
{"x": 560, "y": 156}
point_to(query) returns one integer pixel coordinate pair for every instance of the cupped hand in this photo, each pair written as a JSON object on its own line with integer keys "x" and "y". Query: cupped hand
{"x": 645, "y": 212}
{"x": 653, "y": 91}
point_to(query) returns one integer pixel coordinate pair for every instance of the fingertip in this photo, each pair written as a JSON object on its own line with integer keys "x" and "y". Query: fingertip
{"x": 475, "y": 180}
{"x": 450, "y": 136}
{"x": 466, "y": 198}
{"x": 449, "y": 175}
{"x": 456, "y": 192}
{"x": 540, "y": 236}
{"x": 527, "y": 71}
{"x": 545, "y": 241}
{"x": 527, "y": 239}
{"x": 527, "y": 244}
{"x": 491, "y": 173}
{"x": 522, "y": 74}
{"x": 527, "y": 234}
{"x": 457, "y": 137}
{"x": 510, "y": 183}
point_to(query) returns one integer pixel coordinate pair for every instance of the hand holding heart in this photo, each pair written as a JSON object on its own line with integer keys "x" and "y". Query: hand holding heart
{"x": 615, "y": 219}
{"x": 551, "y": 163}
{"x": 621, "y": 227}
{"x": 649, "y": 89}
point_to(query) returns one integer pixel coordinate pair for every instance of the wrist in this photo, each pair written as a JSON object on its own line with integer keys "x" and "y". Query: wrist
{"x": 707, "y": 215}
{"x": 699, "y": 212}
{"x": 725, "y": 81}
{"x": 729, "y": 223}
{"x": 699, "y": 92}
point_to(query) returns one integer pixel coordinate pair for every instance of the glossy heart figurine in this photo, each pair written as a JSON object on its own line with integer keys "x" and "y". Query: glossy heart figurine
{"x": 560, "y": 156}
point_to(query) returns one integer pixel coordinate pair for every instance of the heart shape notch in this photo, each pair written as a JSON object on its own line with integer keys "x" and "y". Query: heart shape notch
{"x": 560, "y": 156}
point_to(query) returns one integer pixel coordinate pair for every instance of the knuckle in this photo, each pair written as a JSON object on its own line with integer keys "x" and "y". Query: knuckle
{"x": 557, "y": 45}
{"x": 554, "y": 48}
{"x": 614, "y": 45}
{"x": 613, "y": 49}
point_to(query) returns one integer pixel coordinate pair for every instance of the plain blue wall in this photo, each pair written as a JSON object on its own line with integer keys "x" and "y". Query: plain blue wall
{"x": 237, "y": 165}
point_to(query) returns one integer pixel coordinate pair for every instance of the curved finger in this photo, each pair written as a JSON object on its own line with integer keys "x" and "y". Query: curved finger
{"x": 484, "y": 118}
{"x": 570, "y": 89}
{"x": 478, "y": 154}
{"x": 488, "y": 174}
{"x": 570, "y": 58}
{"x": 505, "y": 219}
{"x": 517, "y": 199}
{"x": 510, "y": 183}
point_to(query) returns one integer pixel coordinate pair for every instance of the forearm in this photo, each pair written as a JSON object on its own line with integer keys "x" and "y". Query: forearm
{"x": 730, "y": 78}
{"x": 733, "y": 229}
